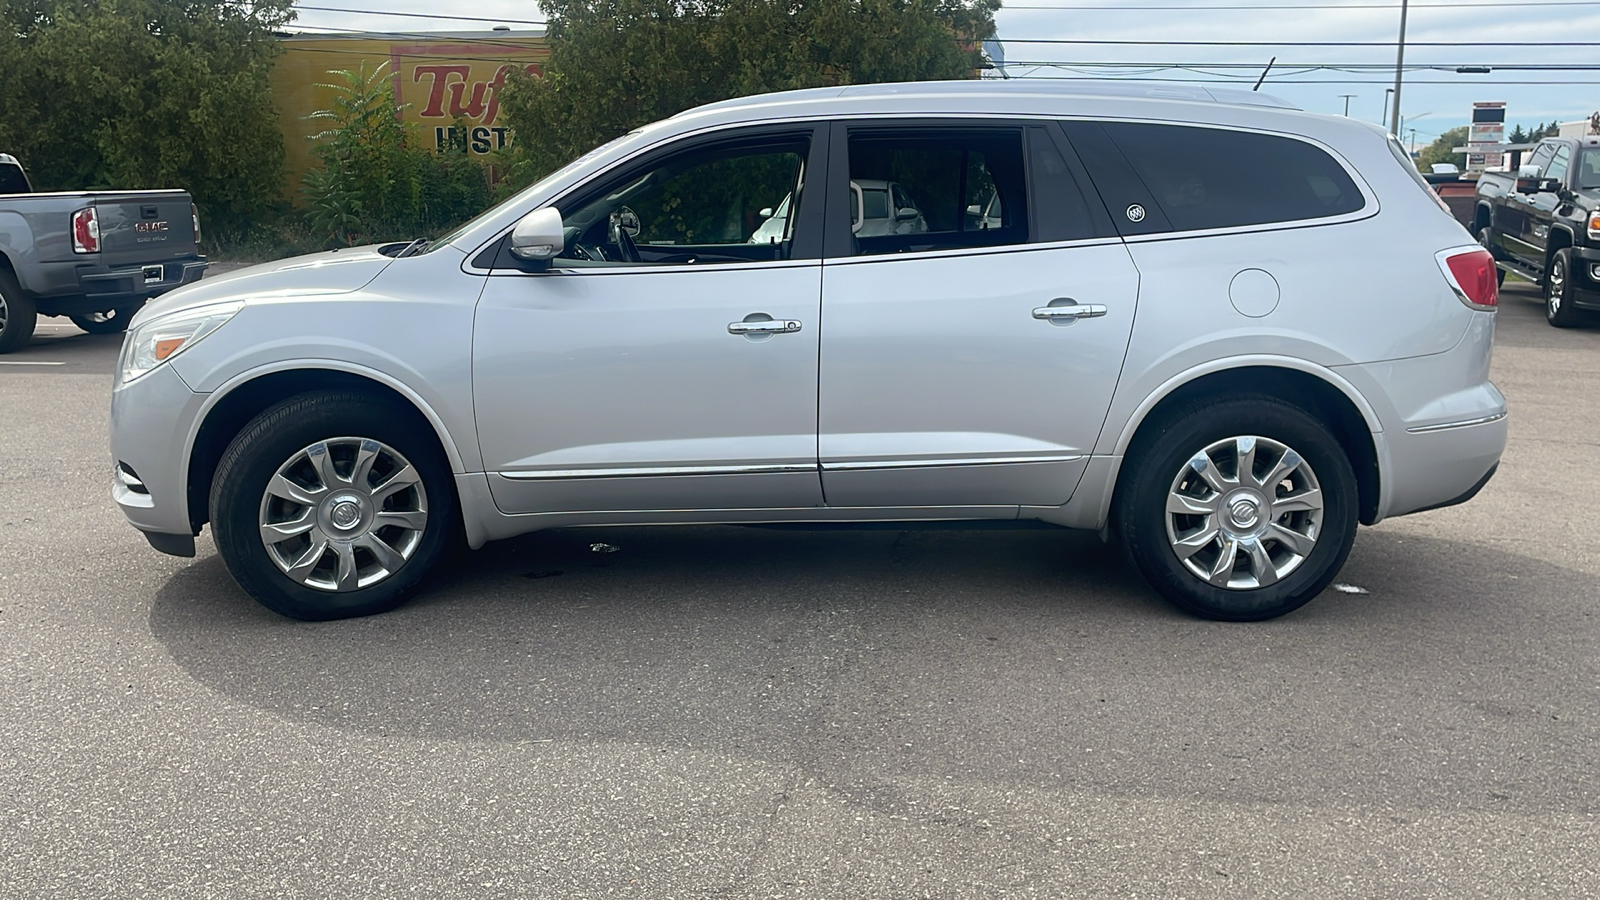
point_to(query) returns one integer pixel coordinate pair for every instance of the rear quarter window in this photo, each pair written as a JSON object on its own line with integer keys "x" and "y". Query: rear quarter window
{"x": 1207, "y": 178}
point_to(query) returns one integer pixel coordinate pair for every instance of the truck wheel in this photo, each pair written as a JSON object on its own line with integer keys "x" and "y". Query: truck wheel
{"x": 1487, "y": 241}
{"x": 331, "y": 505}
{"x": 1240, "y": 509}
{"x": 17, "y": 315}
{"x": 111, "y": 321}
{"x": 1558, "y": 307}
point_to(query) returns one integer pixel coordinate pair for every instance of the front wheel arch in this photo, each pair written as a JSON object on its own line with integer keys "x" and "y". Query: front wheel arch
{"x": 242, "y": 403}
{"x": 1298, "y": 388}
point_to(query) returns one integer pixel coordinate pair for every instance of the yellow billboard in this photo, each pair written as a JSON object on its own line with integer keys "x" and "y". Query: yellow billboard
{"x": 447, "y": 85}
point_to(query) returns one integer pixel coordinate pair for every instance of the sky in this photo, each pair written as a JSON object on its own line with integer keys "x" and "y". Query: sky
{"x": 1433, "y": 100}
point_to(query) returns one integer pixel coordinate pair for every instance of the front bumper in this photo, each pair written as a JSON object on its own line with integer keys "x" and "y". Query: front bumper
{"x": 1586, "y": 277}
{"x": 151, "y": 420}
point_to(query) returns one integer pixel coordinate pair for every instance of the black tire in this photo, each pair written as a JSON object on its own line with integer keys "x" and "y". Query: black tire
{"x": 111, "y": 321}
{"x": 1558, "y": 292}
{"x": 277, "y": 436}
{"x": 1486, "y": 240}
{"x": 17, "y": 315}
{"x": 1162, "y": 452}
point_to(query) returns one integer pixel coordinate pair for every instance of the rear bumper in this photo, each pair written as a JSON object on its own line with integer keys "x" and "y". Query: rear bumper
{"x": 99, "y": 289}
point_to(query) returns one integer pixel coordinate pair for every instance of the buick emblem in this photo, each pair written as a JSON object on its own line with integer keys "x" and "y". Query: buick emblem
{"x": 1135, "y": 213}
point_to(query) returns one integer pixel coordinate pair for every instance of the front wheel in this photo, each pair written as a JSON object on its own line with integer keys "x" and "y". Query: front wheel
{"x": 1558, "y": 308}
{"x": 1238, "y": 510}
{"x": 333, "y": 505}
{"x": 110, "y": 321}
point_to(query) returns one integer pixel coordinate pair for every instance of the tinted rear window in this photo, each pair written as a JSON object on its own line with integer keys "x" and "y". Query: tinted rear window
{"x": 1216, "y": 178}
{"x": 11, "y": 180}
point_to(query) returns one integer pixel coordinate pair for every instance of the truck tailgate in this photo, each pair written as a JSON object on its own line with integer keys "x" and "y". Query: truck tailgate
{"x": 144, "y": 227}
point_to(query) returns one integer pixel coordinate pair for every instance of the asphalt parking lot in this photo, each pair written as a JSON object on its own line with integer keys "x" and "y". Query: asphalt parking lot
{"x": 739, "y": 712}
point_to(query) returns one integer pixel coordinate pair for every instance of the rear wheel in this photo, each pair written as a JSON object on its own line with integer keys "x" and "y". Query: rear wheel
{"x": 17, "y": 315}
{"x": 1240, "y": 509}
{"x": 1558, "y": 307}
{"x": 333, "y": 505}
{"x": 111, "y": 321}
{"x": 1486, "y": 240}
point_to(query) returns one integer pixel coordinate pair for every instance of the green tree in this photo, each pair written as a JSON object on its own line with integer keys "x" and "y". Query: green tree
{"x": 1439, "y": 151}
{"x": 617, "y": 64}
{"x": 1517, "y": 136}
{"x": 146, "y": 94}
{"x": 378, "y": 181}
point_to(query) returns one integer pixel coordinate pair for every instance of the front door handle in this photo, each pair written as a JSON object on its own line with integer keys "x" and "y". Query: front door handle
{"x": 1069, "y": 310}
{"x": 761, "y": 323}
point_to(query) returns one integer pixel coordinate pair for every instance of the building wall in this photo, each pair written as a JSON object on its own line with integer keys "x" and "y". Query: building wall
{"x": 447, "y": 85}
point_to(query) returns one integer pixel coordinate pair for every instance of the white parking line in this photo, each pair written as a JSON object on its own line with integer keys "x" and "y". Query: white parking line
{"x": 29, "y": 362}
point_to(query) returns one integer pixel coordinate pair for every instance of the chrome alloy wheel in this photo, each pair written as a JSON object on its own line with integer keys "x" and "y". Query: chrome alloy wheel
{"x": 343, "y": 514}
{"x": 1244, "y": 512}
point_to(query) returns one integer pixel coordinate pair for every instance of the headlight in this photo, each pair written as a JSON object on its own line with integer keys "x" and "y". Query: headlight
{"x": 152, "y": 343}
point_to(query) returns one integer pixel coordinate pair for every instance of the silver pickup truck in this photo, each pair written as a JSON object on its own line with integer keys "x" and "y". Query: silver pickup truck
{"x": 93, "y": 257}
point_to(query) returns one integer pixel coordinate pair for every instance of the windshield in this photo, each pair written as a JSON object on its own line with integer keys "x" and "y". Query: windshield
{"x": 1589, "y": 169}
{"x": 533, "y": 188}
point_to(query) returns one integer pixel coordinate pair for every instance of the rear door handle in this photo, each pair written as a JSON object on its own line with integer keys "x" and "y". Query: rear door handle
{"x": 1070, "y": 309}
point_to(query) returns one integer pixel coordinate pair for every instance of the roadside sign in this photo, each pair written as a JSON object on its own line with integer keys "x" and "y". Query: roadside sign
{"x": 1484, "y": 136}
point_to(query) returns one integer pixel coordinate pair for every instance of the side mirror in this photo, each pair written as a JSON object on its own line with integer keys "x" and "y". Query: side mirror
{"x": 1527, "y": 170}
{"x": 974, "y": 210}
{"x": 765, "y": 213}
{"x": 539, "y": 235}
{"x": 907, "y": 213}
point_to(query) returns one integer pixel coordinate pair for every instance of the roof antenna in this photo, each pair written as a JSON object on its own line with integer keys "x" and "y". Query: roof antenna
{"x": 1264, "y": 73}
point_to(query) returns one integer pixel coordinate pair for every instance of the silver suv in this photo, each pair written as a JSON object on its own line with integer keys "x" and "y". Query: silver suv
{"x": 1219, "y": 329}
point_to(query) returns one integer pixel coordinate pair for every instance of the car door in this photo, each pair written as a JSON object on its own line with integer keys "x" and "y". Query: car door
{"x": 970, "y": 363}
{"x": 667, "y": 358}
{"x": 1514, "y": 219}
{"x": 1541, "y": 208}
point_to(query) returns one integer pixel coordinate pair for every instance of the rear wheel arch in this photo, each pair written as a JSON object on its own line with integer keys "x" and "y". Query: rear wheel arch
{"x": 1317, "y": 396}
{"x": 1483, "y": 218}
{"x": 229, "y": 415}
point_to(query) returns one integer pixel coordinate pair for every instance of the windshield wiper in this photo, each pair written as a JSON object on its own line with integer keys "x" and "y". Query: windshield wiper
{"x": 413, "y": 248}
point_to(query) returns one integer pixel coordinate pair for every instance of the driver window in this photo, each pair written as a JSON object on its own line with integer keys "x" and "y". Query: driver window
{"x": 718, "y": 204}
{"x": 1557, "y": 170}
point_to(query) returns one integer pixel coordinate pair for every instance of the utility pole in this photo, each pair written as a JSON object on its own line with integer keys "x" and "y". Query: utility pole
{"x": 1347, "y": 103}
{"x": 1399, "y": 64}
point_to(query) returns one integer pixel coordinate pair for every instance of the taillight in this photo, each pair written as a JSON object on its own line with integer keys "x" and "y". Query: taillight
{"x": 195, "y": 214}
{"x": 85, "y": 231}
{"x": 1471, "y": 273}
